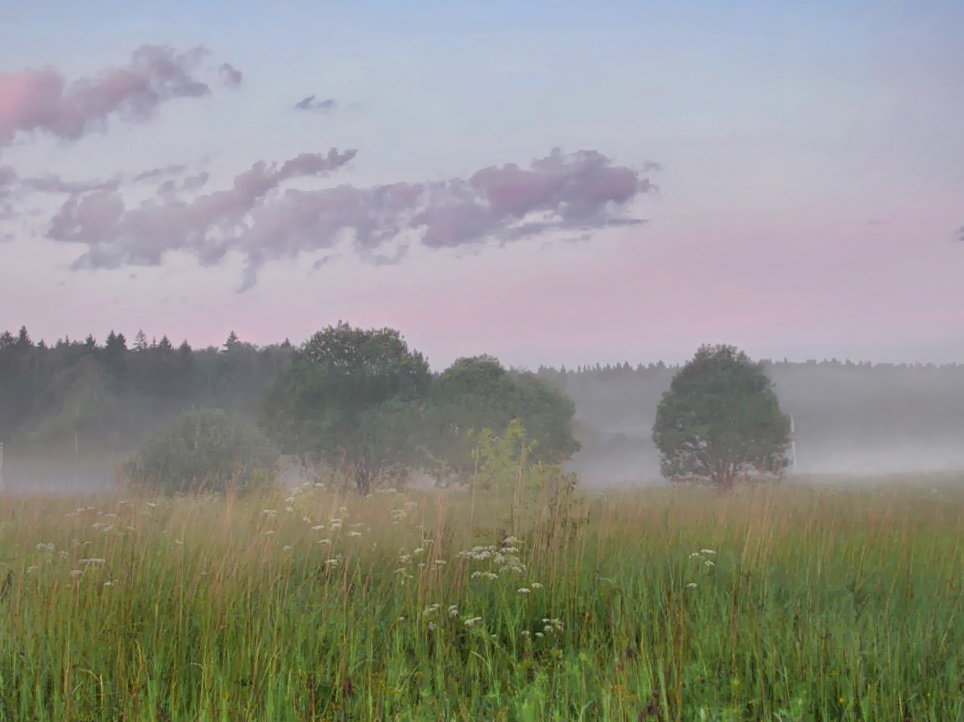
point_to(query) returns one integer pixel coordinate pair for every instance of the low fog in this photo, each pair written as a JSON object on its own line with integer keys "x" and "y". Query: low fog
{"x": 71, "y": 412}
{"x": 850, "y": 419}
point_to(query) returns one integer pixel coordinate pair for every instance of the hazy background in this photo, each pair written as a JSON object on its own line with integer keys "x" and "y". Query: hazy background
{"x": 71, "y": 411}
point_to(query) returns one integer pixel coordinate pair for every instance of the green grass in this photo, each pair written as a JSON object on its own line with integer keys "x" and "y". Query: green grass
{"x": 814, "y": 604}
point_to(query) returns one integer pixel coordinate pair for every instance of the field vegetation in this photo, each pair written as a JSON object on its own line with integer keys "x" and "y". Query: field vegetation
{"x": 769, "y": 603}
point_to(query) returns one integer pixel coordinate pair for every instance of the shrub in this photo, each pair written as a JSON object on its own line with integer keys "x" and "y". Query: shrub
{"x": 207, "y": 450}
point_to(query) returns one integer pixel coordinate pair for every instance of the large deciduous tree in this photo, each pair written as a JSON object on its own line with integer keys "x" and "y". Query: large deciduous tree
{"x": 720, "y": 420}
{"x": 349, "y": 401}
{"x": 477, "y": 394}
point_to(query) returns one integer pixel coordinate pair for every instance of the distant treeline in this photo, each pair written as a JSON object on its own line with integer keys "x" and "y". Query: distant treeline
{"x": 106, "y": 396}
{"x": 92, "y": 397}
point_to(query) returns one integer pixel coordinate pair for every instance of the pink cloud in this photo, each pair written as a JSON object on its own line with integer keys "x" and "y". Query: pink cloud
{"x": 44, "y": 101}
{"x": 561, "y": 192}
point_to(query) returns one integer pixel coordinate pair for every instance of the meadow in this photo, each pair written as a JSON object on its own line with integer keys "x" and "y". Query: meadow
{"x": 771, "y": 603}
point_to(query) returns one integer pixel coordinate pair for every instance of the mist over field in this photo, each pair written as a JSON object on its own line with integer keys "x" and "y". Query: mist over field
{"x": 74, "y": 411}
{"x": 453, "y": 360}
{"x": 850, "y": 419}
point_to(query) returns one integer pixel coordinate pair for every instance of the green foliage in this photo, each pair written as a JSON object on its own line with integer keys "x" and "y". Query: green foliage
{"x": 721, "y": 420}
{"x": 86, "y": 407}
{"x": 350, "y": 402}
{"x": 207, "y": 450}
{"x": 508, "y": 466}
{"x": 108, "y": 397}
{"x": 507, "y": 463}
{"x": 477, "y": 394}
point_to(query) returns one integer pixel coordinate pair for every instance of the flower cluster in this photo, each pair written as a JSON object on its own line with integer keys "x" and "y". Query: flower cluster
{"x": 704, "y": 556}
{"x": 501, "y": 559}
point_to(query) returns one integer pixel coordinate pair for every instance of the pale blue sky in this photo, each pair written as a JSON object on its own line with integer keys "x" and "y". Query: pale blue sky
{"x": 811, "y": 185}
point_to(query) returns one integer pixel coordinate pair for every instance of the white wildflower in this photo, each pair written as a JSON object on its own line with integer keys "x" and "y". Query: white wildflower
{"x": 523, "y": 590}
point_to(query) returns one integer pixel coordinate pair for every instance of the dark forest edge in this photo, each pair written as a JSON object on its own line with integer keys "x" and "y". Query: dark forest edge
{"x": 98, "y": 400}
{"x": 350, "y": 404}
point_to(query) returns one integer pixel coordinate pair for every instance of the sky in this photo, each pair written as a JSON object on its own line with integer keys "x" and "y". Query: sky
{"x": 548, "y": 182}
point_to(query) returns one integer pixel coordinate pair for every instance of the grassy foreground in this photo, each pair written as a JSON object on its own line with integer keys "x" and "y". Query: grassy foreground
{"x": 770, "y": 604}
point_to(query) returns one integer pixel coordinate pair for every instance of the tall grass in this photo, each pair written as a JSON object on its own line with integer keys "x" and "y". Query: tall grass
{"x": 769, "y": 604}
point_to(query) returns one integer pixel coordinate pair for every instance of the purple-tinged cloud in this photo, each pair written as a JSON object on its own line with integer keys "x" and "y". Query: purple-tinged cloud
{"x": 44, "y": 101}
{"x": 189, "y": 184}
{"x": 206, "y": 226}
{"x": 561, "y": 192}
{"x": 155, "y": 173}
{"x": 7, "y": 178}
{"x": 55, "y": 184}
{"x": 321, "y": 106}
{"x": 230, "y": 75}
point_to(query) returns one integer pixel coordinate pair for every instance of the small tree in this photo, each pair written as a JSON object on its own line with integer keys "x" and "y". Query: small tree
{"x": 720, "y": 420}
{"x": 207, "y": 450}
{"x": 350, "y": 402}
